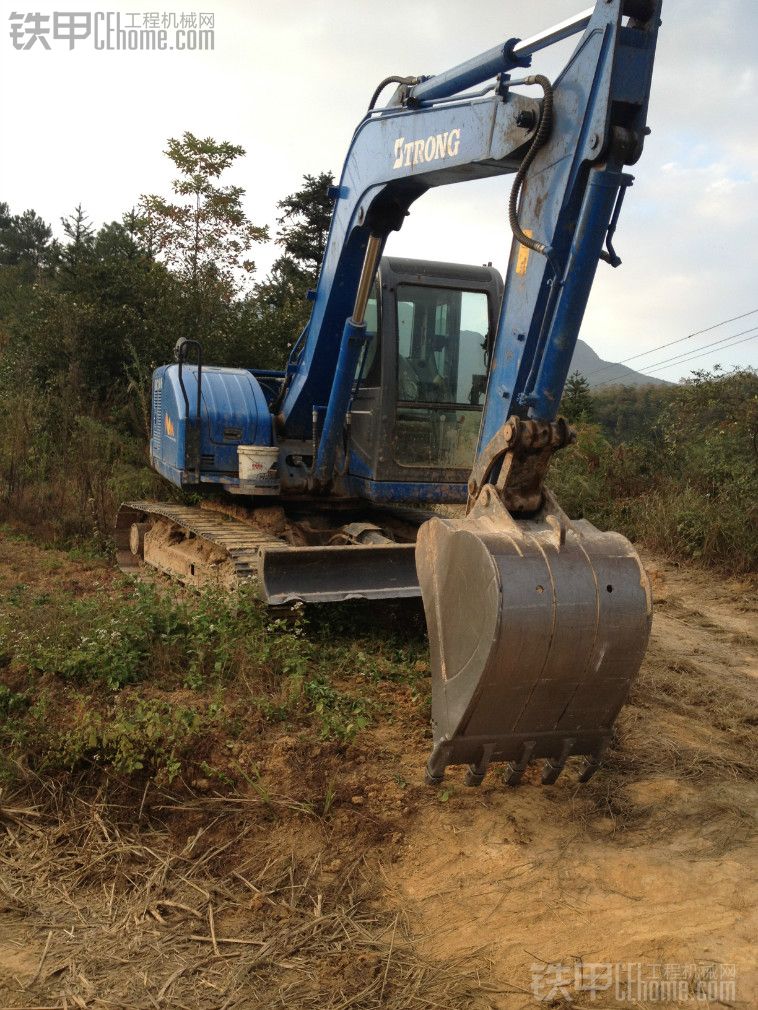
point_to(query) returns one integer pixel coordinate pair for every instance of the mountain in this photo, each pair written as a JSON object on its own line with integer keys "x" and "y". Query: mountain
{"x": 604, "y": 373}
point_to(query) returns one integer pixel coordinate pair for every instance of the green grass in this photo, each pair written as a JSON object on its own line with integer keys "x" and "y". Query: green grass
{"x": 145, "y": 679}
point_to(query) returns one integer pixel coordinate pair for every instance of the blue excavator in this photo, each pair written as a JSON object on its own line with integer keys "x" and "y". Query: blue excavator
{"x": 403, "y": 450}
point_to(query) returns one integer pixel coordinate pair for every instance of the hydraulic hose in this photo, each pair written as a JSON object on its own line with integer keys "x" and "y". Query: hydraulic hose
{"x": 383, "y": 84}
{"x": 543, "y": 132}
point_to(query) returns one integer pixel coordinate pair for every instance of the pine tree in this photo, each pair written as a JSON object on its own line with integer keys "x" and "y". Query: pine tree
{"x": 577, "y": 404}
{"x": 81, "y": 240}
{"x": 304, "y": 225}
{"x": 26, "y": 240}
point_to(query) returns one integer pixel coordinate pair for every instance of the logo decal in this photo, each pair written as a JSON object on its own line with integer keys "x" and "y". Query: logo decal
{"x": 168, "y": 424}
{"x": 434, "y": 148}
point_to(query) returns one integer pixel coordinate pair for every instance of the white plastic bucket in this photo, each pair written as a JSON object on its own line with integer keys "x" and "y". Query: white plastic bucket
{"x": 257, "y": 464}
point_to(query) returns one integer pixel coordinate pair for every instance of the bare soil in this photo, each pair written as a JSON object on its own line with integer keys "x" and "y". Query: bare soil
{"x": 339, "y": 880}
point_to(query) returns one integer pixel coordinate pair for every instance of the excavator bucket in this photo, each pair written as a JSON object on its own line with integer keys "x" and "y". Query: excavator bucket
{"x": 536, "y": 629}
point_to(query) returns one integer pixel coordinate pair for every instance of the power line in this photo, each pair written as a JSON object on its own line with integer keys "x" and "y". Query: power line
{"x": 684, "y": 359}
{"x": 680, "y": 359}
{"x": 691, "y": 357}
{"x": 705, "y": 347}
{"x": 661, "y": 347}
{"x": 686, "y": 354}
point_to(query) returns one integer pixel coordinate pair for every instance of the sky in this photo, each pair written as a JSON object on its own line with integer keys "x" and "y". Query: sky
{"x": 289, "y": 80}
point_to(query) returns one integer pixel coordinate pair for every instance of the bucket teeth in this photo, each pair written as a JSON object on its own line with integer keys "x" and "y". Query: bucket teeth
{"x": 432, "y": 778}
{"x": 514, "y": 770}
{"x": 476, "y": 772}
{"x": 553, "y": 768}
{"x": 473, "y": 778}
{"x": 438, "y": 761}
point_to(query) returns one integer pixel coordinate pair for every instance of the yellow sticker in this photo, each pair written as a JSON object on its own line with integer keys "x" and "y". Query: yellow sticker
{"x": 522, "y": 260}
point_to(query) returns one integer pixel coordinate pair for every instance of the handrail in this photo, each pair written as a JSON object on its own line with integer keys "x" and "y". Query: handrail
{"x": 180, "y": 352}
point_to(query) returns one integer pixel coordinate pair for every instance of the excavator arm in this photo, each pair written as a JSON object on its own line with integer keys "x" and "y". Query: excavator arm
{"x": 567, "y": 143}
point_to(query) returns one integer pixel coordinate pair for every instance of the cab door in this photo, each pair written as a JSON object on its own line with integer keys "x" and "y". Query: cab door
{"x": 420, "y": 388}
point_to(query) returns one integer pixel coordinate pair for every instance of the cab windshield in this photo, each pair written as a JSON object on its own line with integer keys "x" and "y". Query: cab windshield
{"x": 441, "y": 374}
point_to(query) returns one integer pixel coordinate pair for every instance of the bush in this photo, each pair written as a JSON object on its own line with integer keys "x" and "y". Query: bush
{"x": 132, "y": 735}
{"x": 688, "y": 487}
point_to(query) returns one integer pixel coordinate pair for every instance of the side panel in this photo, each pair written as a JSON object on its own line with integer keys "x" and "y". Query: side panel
{"x": 233, "y": 412}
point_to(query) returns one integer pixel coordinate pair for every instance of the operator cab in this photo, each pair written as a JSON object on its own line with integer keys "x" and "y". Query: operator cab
{"x": 422, "y": 379}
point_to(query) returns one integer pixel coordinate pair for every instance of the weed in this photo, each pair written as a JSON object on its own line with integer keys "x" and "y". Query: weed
{"x": 132, "y": 735}
{"x": 12, "y": 702}
{"x": 329, "y": 797}
{"x": 341, "y": 715}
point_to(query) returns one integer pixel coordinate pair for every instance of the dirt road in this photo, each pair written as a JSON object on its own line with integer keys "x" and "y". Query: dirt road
{"x": 655, "y": 866}
{"x": 399, "y": 896}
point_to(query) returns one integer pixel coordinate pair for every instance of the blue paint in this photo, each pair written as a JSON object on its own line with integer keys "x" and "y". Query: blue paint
{"x": 542, "y": 393}
{"x": 354, "y": 337}
{"x": 568, "y": 205}
{"x": 474, "y": 71}
{"x": 377, "y": 195}
{"x": 404, "y": 492}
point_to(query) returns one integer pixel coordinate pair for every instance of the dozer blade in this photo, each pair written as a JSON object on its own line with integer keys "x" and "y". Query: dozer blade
{"x": 536, "y": 630}
{"x": 331, "y": 574}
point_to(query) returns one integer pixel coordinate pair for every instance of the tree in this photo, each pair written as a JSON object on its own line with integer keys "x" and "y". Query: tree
{"x": 205, "y": 235}
{"x": 140, "y": 225}
{"x": 26, "y": 240}
{"x": 278, "y": 312}
{"x": 279, "y": 309}
{"x": 304, "y": 223}
{"x": 577, "y": 404}
{"x": 81, "y": 240}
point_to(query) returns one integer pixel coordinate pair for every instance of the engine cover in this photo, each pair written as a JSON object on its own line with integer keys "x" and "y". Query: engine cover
{"x": 233, "y": 412}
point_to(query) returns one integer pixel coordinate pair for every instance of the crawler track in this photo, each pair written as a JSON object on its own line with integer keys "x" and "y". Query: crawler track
{"x": 283, "y": 572}
{"x": 240, "y": 541}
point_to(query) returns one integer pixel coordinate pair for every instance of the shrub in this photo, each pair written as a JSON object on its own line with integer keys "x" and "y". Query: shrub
{"x": 687, "y": 487}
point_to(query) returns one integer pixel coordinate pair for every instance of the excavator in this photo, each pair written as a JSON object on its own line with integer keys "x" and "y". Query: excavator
{"x": 403, "y": 450}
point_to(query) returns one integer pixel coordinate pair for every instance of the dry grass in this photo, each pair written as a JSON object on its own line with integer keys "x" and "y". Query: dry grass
{"x": 130, "y": 916}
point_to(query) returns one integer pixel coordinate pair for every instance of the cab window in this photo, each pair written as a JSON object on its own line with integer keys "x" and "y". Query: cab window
{"x": 441, "y": 344}
{"x": 367, "y": 370}
{"x": 441, "y": 375}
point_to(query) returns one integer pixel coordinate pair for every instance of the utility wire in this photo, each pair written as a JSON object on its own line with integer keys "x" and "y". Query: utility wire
{"x": 700, "y": 355}
{"x": 721, "y": 345}
{"x": 683, "y": 359}
{"x": 660, "y": 347}
{"x": 705, "y": 347}
{"x": 696, "y": 350}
